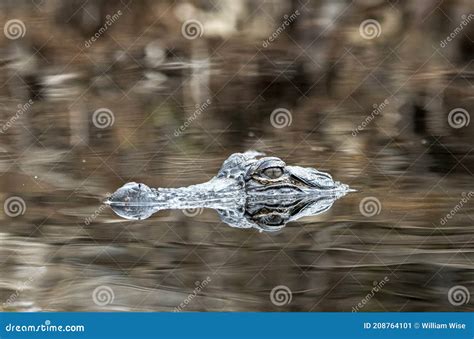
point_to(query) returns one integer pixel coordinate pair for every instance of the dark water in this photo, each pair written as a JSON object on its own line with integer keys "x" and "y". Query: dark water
{"x": 177, "y": 108}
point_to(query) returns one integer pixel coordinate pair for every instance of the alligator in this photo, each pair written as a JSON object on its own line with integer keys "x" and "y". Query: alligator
{"x": 249, "y": 191}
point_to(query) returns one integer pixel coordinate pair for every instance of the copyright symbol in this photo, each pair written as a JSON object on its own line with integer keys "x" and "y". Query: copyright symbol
{"x": 417, "y": 325}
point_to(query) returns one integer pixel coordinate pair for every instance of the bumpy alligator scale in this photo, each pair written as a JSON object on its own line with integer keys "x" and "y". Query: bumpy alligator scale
{"x": 250, "y": 190}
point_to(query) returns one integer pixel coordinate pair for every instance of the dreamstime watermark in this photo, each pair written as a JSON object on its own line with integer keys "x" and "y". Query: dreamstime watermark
{"x": 281, "y": 117}
{"x": 377, "y": 287}
{"x": 375, "y": 112}
{"x": 39, "y": 4}
{"x": 192, "y": 212}
{"x": 97, "y": 212}
{"x": 458, "y": 295}
{"x": 370, "y": 29}
{"x": 199, "y": 287}
{"x": 47, "y": 327}
{"x": 458, "y": 118}
{"x": 199, "y": 110}
{"x": 23, "y": 286}
{"x": 192, "y": 29}
{"x": 370, "y": 206}
{"x": 22, "y": 109}
{"x": 103, "y": 118}
{"x": 465, "y": 198}
{"x": 14, "y": 206}
{"x": 281, "y": 295}
{"x": 14, "y": 29}
{"x": 103, "y": 295}
{"x": 466, "y": 19}
{"x": 287, "y": 21}
{"x": 109, "y": 21}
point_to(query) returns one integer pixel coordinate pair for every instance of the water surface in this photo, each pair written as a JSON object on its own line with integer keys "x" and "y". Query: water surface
{"x": 174, "y": 109}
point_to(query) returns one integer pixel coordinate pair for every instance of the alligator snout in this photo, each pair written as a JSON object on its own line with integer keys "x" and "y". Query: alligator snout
{"x": 131, "y": 193}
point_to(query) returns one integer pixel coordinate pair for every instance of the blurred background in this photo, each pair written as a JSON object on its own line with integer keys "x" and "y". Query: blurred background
{"x": 94, "y": 94}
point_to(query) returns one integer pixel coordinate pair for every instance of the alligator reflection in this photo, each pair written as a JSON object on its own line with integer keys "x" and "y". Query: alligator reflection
{"x": 249, "y": 191}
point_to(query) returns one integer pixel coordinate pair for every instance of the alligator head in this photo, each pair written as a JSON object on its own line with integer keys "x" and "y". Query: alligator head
{"x": 250, "y": 190}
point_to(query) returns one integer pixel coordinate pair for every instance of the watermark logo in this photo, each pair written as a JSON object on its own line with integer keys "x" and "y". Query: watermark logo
{"x": 109, "y": 21}
{"x": 199, "y": 287}
{"x": 281, "y": 295}
{"x": 287, "y": 20}
{"x": 465, "y": 198}
{"x": 281, "y": 118}
{"x": 24, "y": 285}
{"x": 377, "y": 287}
{"x": 46, "y": 327}
{"x": 199, "y": 110}
{"x": 192, "y": 212}
{"x": 458, "y": 118}
{"x": 370, "y": 206}
{"x": 103, "y": 118}
{"x": 466, "y": 19}
{"x": 370, "y": 29}
{"x": 97, "y": 212}
{"x": 458, "y": 295}
{"x": 192, "y": 29}
{"x": 375, "y": 112}
{"x": 14, "y": 206}
{"x": 39, "y": 4}
{"x": 22, "y": 109}
{"x": 103, "y": 295}
{"x": 14, "y": 29}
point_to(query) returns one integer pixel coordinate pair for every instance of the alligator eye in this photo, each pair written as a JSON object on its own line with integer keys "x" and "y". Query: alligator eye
{"x": 272, "y": 220}
{"x": 273, "y": 172}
